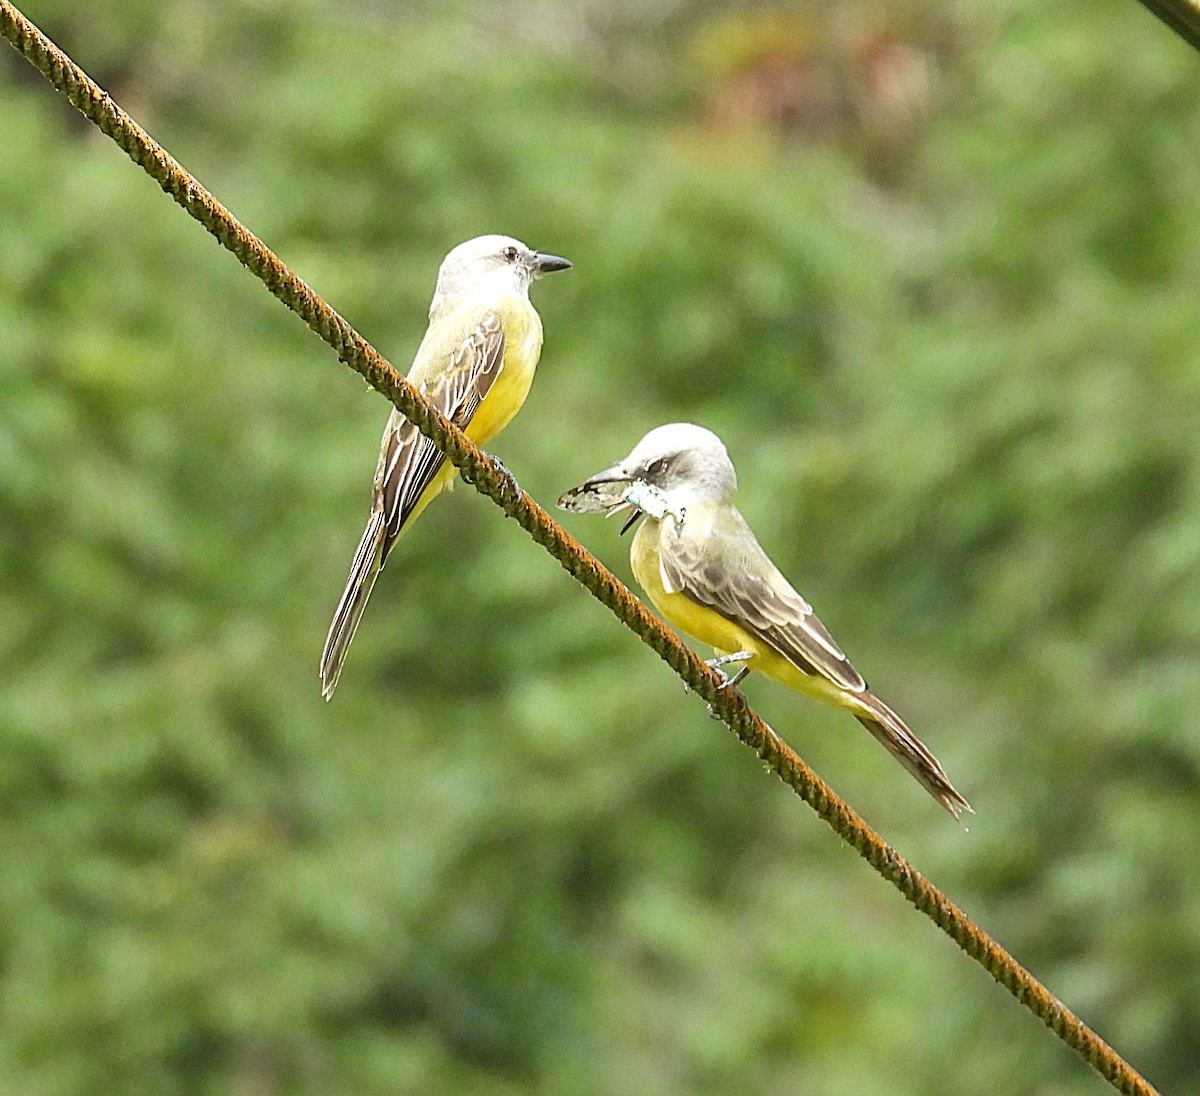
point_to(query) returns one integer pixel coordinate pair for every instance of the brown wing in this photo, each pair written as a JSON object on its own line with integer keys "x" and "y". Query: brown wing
{"x": 730, "y": 573}
{"x": 408, "y": 460}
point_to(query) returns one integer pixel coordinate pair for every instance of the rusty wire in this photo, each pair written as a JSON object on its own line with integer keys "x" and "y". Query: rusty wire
{"x": 479, "y": 470}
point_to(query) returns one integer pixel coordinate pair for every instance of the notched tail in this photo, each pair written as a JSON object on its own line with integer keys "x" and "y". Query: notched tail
{"x": 363, "y": 572}
{"x": 912, "y": 753}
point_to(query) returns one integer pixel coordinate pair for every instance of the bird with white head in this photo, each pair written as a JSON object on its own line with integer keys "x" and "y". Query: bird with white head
{"x": 475, "y": 365}
{"x": 705, "y": 572}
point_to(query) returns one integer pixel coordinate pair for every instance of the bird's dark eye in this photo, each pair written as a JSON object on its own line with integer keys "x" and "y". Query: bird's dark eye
{"x": 510, "y": 254}
{"x": 657, "y": 467}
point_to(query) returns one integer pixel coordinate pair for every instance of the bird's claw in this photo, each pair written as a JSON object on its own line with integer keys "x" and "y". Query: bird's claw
{"x": 509, "y": 479}
{"x": 724, "y": 660}
{"x": 727, "y": 681}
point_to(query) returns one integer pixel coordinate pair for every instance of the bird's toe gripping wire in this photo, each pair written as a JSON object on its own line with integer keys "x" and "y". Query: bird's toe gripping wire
{"x": 728, "y": 681}
{"x": 725, "y": 660}
{"x": 509, "y": 479}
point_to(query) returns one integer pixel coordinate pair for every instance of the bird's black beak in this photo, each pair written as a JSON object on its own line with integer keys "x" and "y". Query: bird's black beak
{"x": 547, "y": 264}
{"x": 615, "y": 474}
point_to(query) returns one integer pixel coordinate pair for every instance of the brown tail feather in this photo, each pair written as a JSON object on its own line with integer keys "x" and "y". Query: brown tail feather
{"x": 911, "y": 752}
{"x": 363, "y": 572}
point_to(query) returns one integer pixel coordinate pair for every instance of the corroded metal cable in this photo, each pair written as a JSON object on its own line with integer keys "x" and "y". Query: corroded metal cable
{"x": 479, "y": 469}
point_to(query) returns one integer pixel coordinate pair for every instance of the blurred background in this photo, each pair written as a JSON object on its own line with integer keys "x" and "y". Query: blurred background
{"x": 929, "y": 269}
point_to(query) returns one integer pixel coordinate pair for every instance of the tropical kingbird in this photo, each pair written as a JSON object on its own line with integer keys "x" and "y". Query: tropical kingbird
{"x": 475, "y": 365}
{"x": 705, "y": 572}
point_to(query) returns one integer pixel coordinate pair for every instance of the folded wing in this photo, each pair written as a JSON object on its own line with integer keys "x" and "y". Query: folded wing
{"x": 408, "y": 460}
{"x": 730, "y": 573}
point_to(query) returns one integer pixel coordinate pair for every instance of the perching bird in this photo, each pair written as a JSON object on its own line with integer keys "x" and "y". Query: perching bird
{"x": 475, "y": 365}
{"x": 705, "y": 572}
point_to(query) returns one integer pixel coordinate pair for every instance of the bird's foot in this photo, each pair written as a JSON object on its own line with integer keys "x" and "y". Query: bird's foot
{"x": 733, "y": 682}
{"x": 728, "y": 681}
{"x": 510, "y": 481}
{"x": 725, "y": 660}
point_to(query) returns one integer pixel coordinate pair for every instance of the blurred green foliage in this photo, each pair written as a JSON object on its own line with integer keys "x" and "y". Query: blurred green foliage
{"x": 929, "y": 271}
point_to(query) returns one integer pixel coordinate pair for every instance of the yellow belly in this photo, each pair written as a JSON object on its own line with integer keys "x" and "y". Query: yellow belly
{"x": 522, "y": 348}
{"x": 722, "y": 634}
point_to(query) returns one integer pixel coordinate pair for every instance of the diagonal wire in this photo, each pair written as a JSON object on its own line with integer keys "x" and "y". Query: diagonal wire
{"x": 479, "y": 470}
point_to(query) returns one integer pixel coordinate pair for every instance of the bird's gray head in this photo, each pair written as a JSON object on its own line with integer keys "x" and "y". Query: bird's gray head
{"x": 681, "y": 459}
{"x": 490, "y": 267}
